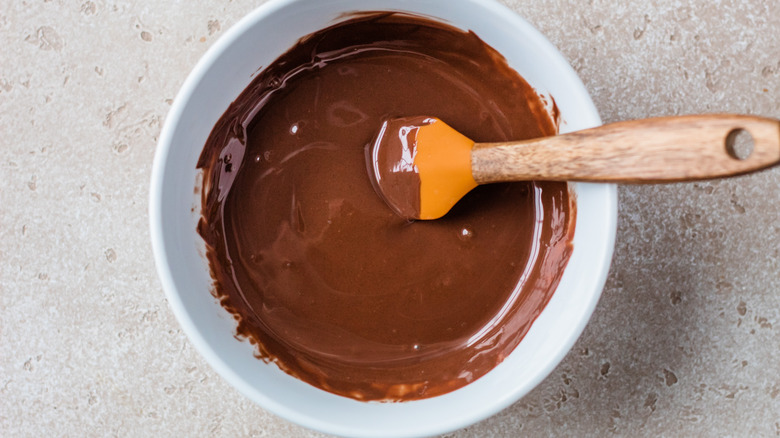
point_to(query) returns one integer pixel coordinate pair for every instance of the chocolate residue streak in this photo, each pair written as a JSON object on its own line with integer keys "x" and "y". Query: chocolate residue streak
{"x": 329, "y": 283}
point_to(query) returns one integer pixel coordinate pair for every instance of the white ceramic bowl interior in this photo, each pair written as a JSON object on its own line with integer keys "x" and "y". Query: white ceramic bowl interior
{"x": 219, "y": 77}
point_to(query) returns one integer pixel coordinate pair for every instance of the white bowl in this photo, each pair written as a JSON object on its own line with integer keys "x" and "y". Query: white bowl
{"x": 223, "y": 72}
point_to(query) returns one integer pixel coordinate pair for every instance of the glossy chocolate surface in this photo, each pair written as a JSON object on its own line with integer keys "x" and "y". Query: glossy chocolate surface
{"x": 322, "y": 276}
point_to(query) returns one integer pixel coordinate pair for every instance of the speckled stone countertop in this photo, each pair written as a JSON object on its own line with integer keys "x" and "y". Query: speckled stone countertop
{"x": 685, "y": 340}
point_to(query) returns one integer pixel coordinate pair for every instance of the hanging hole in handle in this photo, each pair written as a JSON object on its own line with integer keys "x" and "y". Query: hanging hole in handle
{"x": 739, "y": 144}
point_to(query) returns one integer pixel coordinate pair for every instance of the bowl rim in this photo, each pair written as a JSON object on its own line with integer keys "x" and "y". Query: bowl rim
{"x": 174, "y": 297}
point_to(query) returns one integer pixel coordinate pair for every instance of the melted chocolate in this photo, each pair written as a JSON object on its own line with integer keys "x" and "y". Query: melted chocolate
{"x": 328, "y": 282}
{"x": 391, "y": 164}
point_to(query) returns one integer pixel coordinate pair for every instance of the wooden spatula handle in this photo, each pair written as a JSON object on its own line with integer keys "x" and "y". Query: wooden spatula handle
{"x": 665, "y": 149}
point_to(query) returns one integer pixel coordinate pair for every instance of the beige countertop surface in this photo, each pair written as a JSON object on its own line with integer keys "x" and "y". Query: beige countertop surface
{"x": 686, "y": 337}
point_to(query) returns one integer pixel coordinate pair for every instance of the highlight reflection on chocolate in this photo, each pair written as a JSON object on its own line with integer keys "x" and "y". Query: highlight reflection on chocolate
{"x": 330, "y": 284}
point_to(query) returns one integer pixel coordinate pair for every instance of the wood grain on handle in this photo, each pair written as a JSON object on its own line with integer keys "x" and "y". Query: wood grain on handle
{"x": 665, "y": 149}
